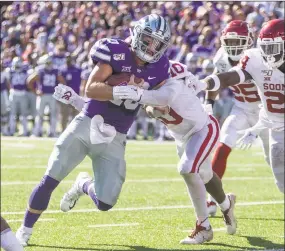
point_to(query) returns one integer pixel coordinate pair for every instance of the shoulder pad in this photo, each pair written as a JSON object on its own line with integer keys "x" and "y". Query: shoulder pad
{"x": 178, "y": 70}
{"x": 104, "y": 49}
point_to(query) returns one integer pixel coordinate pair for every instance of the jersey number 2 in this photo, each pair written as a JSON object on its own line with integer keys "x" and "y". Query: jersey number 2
{"x": 279, "y": 100}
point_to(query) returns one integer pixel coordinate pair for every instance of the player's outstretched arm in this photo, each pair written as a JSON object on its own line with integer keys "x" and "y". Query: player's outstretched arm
{"x": 96, "y": 87}
{"x": 224, "y": 80}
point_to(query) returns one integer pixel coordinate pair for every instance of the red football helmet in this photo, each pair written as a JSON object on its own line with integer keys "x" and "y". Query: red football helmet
{"x": 271, "y": 42}
{"x": 236, "y": 38}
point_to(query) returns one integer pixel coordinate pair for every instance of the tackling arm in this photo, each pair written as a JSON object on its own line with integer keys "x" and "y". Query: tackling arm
{"x": 158, "y": 97}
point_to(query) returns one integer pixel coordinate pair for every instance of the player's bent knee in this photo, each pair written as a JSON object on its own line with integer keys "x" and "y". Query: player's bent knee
{"x": 103, "y": 206}
{"x": 206, "y": 176}
{"x": 185, "y": 166}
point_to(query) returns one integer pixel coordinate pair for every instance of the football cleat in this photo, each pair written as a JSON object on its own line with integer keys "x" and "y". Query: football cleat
{"x": 212, "y": 208}
{"x": 199, "y": 235}
{"x": 70, "y": 198}
{"x": 229, "y": 216}
{"x": 23, "y": 235}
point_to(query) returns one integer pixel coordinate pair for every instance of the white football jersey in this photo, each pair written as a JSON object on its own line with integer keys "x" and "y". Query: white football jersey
{"x": 187, "y": 114}
{"x": 246, "y": 94}
{"x": 270, "y": 84}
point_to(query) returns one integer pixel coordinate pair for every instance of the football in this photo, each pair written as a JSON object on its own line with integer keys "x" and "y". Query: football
{"x": 120, "y": 78}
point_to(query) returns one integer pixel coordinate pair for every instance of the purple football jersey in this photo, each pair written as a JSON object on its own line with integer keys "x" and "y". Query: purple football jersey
{"x": 48, "y": 80}
{"x": 59, "y": 62}
{"x": 118, "y": 54}
{"x": 72, "y": 76}
{"x": 18, "y": 80}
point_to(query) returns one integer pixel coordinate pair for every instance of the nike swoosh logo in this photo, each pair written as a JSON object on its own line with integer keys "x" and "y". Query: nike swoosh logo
{"x": 149, "y": 78}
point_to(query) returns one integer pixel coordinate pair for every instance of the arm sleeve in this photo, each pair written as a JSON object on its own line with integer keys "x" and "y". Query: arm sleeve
{"x": 161, "y": 97}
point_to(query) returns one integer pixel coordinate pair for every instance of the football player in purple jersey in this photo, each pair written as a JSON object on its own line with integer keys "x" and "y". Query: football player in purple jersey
{"x": 47, "y": 78}
{"x": 72, "y": 76}
{"x": 4, "y": 99}
{"x": 19, "y": 106}
{"x": 99, "y": 131}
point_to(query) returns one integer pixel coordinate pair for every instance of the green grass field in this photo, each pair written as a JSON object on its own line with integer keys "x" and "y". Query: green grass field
{"x": 153, "y": 213}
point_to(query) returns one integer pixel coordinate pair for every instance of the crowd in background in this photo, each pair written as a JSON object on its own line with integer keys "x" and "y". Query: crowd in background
{"x": 30, "y": 30}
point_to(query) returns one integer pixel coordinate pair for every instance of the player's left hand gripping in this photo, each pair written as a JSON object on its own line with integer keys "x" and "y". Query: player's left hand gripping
{"x": 64, "y": 94}
{"x": 246, "y": 140}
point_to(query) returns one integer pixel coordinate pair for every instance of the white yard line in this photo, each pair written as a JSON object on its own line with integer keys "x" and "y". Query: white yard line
{"x": 114, "y": 225}
{"x": 12, "y": 183}
{"x": 238, "y": 167}
{"x": 255, "y": 203}
{"x": 44, "y": 220}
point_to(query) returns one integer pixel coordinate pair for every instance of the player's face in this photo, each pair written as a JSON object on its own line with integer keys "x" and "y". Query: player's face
{"x": 150, "y": 45}
{"x": 272, "y": 52}
{"x": 235, "y": 46}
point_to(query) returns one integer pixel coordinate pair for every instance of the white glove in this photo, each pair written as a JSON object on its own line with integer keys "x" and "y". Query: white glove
{"x": 67, "y": 95}
{"x": 247, "y": 139}
{"x": 127, "y": 92}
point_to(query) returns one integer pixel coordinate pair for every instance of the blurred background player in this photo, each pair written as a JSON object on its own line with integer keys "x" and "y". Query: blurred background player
{"x": 72, "y": 75}
{"x": 236, "y": 38}
{"x": 47, "y": 78}
{"x": 18, "y": 96}
{"x": 4, "y": 100}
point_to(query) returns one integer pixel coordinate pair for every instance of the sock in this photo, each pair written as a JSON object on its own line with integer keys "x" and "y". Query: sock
{"x": 25, "y": 125}
{"x": 88, "y": 188}
{"x": 197, "y": 193}
{"x": 219, "y": 161}
{"x": 39, "y": 200}
{"x": 9, "y": 241}
{"x": 38, "y": 125}
{"x": 225, "y": 205}
{"x": 12, "y": 123}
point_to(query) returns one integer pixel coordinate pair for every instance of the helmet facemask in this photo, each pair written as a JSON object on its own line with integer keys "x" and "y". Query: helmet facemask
{"x": 235, "y": 45}
{"x": 148, "y": 43}
{"x": 272, "y": 52}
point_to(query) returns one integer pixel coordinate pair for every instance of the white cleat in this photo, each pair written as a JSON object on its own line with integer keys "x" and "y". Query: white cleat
{"x": 229, "y": 216}
{"x": 23, "y": 235}
{"x": 198, "y": 236}
{"x": 212, "y": 208}
{"x": 70, "y": 198}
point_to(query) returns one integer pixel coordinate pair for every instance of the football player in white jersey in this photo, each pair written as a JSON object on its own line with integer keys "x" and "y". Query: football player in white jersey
{"x": 196, "y": 134}
{"x": 265, "y": 65}
{"x": 235, "y": 39}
